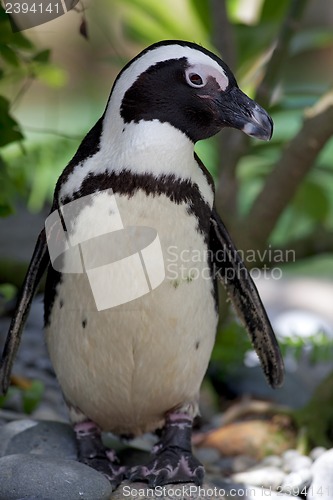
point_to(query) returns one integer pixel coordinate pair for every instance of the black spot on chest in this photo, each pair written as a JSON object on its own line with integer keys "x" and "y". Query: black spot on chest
{"x": 127, "y": 183}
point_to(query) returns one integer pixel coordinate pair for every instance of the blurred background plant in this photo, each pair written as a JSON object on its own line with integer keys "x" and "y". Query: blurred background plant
{"x": 276, "y": 195}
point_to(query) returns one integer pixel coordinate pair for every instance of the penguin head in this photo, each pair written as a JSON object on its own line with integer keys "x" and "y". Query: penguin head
{"x": 188, "y": 87}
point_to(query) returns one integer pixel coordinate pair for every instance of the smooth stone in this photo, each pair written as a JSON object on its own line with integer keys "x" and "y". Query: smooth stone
{"x": 295, "y": 482}
{"x": 317, "y": 452}
{"x": 8, "y": 431}
{"x": 297, "y": 463}
{"x": 321, "y": 487}
{"x": 46, "y": 411}
{"x": 272, "y": 460}
{"x": 54, "y": 439}
{"x": 266, "y": 477}
{"x": 289, "y": 455}
{"x": 43, "y": 478}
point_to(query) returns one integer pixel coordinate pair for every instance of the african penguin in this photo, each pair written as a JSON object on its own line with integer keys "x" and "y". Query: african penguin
{"x": 138, "y": 366}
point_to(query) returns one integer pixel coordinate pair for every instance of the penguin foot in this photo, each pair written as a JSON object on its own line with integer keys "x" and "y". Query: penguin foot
{"x": 93, "y": 453}
{"x": 172, "y": 465}
{"x": 113, "y": 472}
{"x": 173, "y": 461}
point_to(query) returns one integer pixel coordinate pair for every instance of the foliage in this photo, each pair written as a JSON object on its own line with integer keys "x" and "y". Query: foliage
{"x": 30, "y": 396}
{"x": 20, "y": 63}
{"x": 318, "y": 430}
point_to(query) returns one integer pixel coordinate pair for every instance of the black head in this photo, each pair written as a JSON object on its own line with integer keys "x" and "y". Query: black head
{"x": 192, "y": 89}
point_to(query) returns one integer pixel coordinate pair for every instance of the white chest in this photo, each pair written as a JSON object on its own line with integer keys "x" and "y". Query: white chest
{"x": 125, "y": 366}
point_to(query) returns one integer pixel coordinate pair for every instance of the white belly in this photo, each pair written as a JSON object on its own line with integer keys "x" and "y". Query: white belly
{"x": 126, "y": 366}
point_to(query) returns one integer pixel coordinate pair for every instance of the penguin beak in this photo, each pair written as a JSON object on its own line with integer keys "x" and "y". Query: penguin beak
{"x": 237, "y": 110}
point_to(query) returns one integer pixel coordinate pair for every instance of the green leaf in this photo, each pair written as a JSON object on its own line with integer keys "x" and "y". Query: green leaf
{"x": 43, "y": 56}
{"x": 32, "y": 397}
{"x": 9, "y": 128}
{"x": 9, "y": 55}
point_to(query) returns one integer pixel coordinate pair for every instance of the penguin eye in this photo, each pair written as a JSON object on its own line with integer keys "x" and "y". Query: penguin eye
{"x": 195, "y": 80}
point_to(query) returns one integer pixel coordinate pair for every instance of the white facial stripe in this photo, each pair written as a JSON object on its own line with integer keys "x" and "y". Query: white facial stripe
{"x": 164, "y": 53}
{"x": 205, "y": 71}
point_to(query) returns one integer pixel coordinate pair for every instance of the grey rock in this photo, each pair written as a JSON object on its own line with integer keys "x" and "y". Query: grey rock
{"x": 265, "y": 477}
{"x": 296, "y": 463}
{"x": 53, "y": 439}
{"x": 295, "y": 482}
{"x": 290, "y": 455}
{"x": 8, "y": 431}
{"x": 272, "y": 460}
{"x": 41, "y": 478}
{"x": 321, "y": 487}
{"x": 47, "y": 411}
{"x": 317, "y": 452}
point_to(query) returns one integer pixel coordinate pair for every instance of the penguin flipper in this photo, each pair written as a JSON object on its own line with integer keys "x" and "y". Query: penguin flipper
{"x": 37, "y": 267}
{"x": 234, "y": 276}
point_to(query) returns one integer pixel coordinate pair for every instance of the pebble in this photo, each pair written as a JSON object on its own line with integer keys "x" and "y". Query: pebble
{"x": 53, "y": 439}
{"x": 321, "y": 487}
{"x": 297, "y": 463}
{"x": 8, "y": 431}
{"x": 290, "y": 455}
{"x": 264, "y": 476}
{"x": 317, "y": 452}
{"x": 297, "y": 481}
{"x": 46, "y": 478}
{"x": 272, "y": 460}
